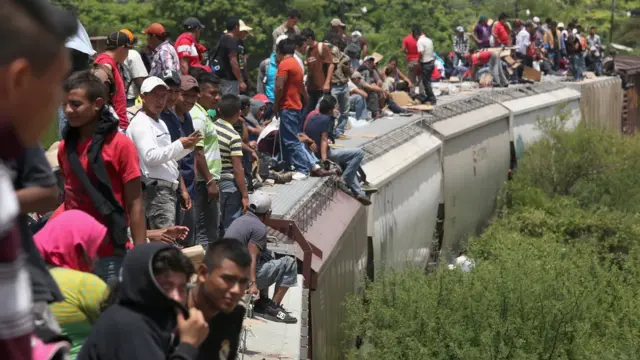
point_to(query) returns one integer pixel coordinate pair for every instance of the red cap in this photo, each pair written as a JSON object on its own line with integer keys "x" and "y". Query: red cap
{"x": 155, "y": 29}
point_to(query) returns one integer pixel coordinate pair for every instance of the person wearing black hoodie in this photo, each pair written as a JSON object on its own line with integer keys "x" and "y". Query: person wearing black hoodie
{"x": 140, "y": 324}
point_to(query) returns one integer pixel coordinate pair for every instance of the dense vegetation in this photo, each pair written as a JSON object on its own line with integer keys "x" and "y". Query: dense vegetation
{"x": 385, "y": 22}
{"x": 556, "y": 276}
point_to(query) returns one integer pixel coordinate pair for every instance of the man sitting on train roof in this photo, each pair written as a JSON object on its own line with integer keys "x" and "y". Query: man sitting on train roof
{"x": 266, "y": 270}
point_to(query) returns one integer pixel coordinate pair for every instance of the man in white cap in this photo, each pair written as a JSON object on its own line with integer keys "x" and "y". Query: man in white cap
{"x": 243, "y": 57}
{"x": 356, "y": 49}
{"x": 460, "y": 45}
{"x": 158, "y": 155}
{"x": 266, "y": 270}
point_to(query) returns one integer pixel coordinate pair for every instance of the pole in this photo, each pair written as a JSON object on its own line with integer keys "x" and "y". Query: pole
{"x": 613, "y": 12}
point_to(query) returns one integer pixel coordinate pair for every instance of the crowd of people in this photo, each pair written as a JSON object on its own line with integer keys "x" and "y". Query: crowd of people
{"x": 167, "y": 147}
{"x": 550, "y": 48}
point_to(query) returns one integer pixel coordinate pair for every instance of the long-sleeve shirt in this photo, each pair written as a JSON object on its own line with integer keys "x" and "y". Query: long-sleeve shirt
{"x": 158, "y": 155}
{"x": 461, "y": 44}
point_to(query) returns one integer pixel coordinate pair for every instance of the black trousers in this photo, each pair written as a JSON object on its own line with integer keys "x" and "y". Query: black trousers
{"x": 426, "y": 69}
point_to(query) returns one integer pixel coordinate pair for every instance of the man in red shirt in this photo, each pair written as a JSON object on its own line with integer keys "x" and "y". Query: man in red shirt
{"x": 410, "y": 48}
{"x": 189, "y": 50}
{"x": 109, "y": 160}
{"x": 118, "y": 45}
{"x": 501, "y": 31}
{"x": 290, "y": 96}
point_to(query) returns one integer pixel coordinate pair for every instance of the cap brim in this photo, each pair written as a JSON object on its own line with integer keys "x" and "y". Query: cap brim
{"x": 55, "y": 20}
{"x": 190, "y": 88}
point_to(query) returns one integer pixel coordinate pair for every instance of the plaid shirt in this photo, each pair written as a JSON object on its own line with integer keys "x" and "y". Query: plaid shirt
{"x": 461, "y": 44}
{"x": 164, "y": 57}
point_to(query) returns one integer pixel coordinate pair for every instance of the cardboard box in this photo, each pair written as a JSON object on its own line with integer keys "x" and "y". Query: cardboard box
{"x": 195, "y": 254}
{"x": 531, "y": 74}
{"x": 401, "y": 98}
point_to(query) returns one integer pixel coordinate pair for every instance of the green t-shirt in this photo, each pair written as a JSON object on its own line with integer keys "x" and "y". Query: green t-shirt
{"x": 203, "y": 122}
{"x": 83, "y": 292}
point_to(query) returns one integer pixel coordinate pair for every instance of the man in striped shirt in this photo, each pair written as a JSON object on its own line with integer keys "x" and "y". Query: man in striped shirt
{"x": 234, "y": 198}
{"x": 33, "y": 64}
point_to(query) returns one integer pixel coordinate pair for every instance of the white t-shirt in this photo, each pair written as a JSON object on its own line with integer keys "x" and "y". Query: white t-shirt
{"x": 299, "y": 59}
{"x": 523, "y": 40}
{"x": 425, "y": 46}
{"x": 133, "y": 68}
{"x": 158, "y": 155}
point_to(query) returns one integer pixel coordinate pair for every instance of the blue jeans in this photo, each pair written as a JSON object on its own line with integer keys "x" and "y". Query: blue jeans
{"x": 108, "y": 268}
{"x": 349, "y": 160}
{"x": 282, "y": 272}
{"x": 555, "y": 56}
{"x": 576, "y": 65}
{"x": 341, "y": 93}
{"x": 229, "y": 87}
{"x": 356, "y": 102}
{"x": 230, "y": 203}
{"x": 206, "y": 215}
{"x": 292, "y": 148}
{"x": 355, "y": 64}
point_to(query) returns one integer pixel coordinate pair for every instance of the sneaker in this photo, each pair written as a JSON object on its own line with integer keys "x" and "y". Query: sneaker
{"x": 261, "y": 305}
{"x": 320, "y": 172}
{"x": 299, "y": 176}
{"x": 283, "y": 178}
{"x": 342, "y": 137}
{"x": 368, "y": 189}
{"x": 275, "y": 313}
{"x": 364, "y": 200}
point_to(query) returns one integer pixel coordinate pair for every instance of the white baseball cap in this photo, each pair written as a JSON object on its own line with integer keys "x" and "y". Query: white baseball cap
{"x": 244, "y": 27}
{"x": 561, "y": 25}
{"x": 460, "y": 29}
{"x": 280, "y": 38}
{"x": 151, "y": 83}
{"x": 259, "y": 203}
{"x": 536, "y": 20}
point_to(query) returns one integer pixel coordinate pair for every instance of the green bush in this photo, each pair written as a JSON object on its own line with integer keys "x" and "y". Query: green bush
{"x": 557, "y": 274}
{"x": 537, "y": 300}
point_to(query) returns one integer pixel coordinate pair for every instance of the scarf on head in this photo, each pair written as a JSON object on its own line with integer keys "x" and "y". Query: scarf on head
{"x": 63, "y": 240}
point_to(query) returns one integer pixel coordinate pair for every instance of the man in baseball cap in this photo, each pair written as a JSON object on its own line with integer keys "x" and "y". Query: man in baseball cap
{"x": 251, "y": 230}
{"x": 117, "y": 50}
{"x": 190, "y": 51}
{"x": 159, "y": 155}
{"x": 163, "y": 54}
{"x": 192, "y": 23}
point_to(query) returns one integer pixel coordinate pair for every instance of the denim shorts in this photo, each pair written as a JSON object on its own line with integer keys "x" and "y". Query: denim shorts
{"x": 282, "y": 272}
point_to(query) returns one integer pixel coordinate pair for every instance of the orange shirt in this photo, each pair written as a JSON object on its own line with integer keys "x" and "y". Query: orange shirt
{"x": 290, "y": 68}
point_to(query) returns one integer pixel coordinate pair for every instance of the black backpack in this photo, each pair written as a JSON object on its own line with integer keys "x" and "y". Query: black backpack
{"x": 353, "y": 49}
